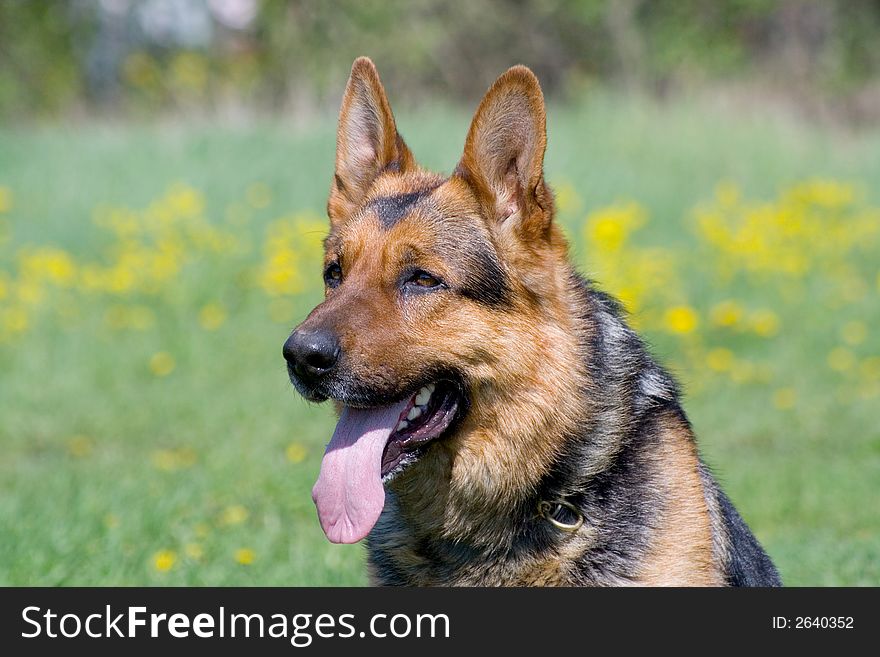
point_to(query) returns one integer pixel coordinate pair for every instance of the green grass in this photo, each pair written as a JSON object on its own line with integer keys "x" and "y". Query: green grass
{"x": 82, "y": 501}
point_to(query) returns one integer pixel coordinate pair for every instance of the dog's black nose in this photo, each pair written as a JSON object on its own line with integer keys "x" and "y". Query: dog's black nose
{"x": 311, "y": 354}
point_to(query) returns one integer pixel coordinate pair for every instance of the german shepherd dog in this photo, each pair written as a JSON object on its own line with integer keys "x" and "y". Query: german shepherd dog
{"x": 499, "y": 422}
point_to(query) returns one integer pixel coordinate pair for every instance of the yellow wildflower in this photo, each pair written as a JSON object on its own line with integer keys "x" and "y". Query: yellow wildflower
{"x": 727, "y": 193}
{"x": 296, "y": 452}
{"x": 764, "y": 322}
{"x": 47, "y": 263}
{"x": 194, "y": 551}
{"x": 141, "y": 318}
{"x": 841, "y": 359}
{"x": 234, "y": 515}
{"x": 30, "y": 292}
{"x": 162, "y": 363}
{"x": 726, "y": 313}
{"x": 116, "y": 317}
{"x": 608, "y": 229}
{"x": 184, "y": 201}
{"x": 280, "y": 273}
{"x": 212, "y": 316}
{"x": 80, "y": 446}
{"x": 870, "y": 368}
{"x": 120, "y": 279}
{"x": 174, "y": 459}
{"x": 826, "y": 193}
{"x": 164, "y": 560}
{"x": 784, "y": 398}
{"x": 681, "y": 319}
{"x": 14, "y": 320}
{"x": 742, "y": 372}
{"x": 244, "y": 556}
{"x": 720, "y": 359}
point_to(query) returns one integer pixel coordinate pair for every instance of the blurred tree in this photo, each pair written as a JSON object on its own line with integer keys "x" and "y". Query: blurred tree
{"x": 174, "y": 54}
{"x": 40, "y": 56}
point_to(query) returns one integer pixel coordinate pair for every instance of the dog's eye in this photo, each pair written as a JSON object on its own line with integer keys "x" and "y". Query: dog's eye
{"x": 333, "y": 275}
{"x": 425, "y": 281}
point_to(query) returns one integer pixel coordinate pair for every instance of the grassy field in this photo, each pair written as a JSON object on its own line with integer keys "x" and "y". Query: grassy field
{"x": 150, "y": 274}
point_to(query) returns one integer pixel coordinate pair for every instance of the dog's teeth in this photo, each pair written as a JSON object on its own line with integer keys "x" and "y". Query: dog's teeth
{"x": 423, "y": 396}
{"x": 403, "y": 424}
{"x": 414, "y": 412}
{"x": 430, "y": 387}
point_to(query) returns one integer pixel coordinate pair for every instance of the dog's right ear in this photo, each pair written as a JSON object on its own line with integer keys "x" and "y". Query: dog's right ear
{"x": 367, "y": 142}
{"x": 503, "y": 158}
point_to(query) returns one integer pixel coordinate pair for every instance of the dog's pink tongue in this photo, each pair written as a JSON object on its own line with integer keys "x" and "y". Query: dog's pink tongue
{"x": 349, "y": 492}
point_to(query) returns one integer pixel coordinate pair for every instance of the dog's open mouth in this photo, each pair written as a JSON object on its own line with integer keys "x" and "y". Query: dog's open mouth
{"x": 427, "y": 415}
{"x": 371, "y": 444}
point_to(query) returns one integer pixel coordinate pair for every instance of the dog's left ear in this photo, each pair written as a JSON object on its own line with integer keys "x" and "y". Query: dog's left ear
{"x": 367, "y": 142}
{"x": 503, "y": 157}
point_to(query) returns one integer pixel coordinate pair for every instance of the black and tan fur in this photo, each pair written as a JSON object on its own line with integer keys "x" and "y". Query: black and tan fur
{"x": 564, "y": 400}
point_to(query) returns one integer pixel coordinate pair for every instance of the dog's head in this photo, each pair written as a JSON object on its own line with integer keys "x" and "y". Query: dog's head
{"x": 431, "y": 285}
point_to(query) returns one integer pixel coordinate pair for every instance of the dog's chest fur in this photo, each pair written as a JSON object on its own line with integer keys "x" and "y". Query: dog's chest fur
{"x": 666, "y": 537}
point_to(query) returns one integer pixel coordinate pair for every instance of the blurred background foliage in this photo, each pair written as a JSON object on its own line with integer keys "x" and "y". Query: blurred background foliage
{"x": 227, "y": 56}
